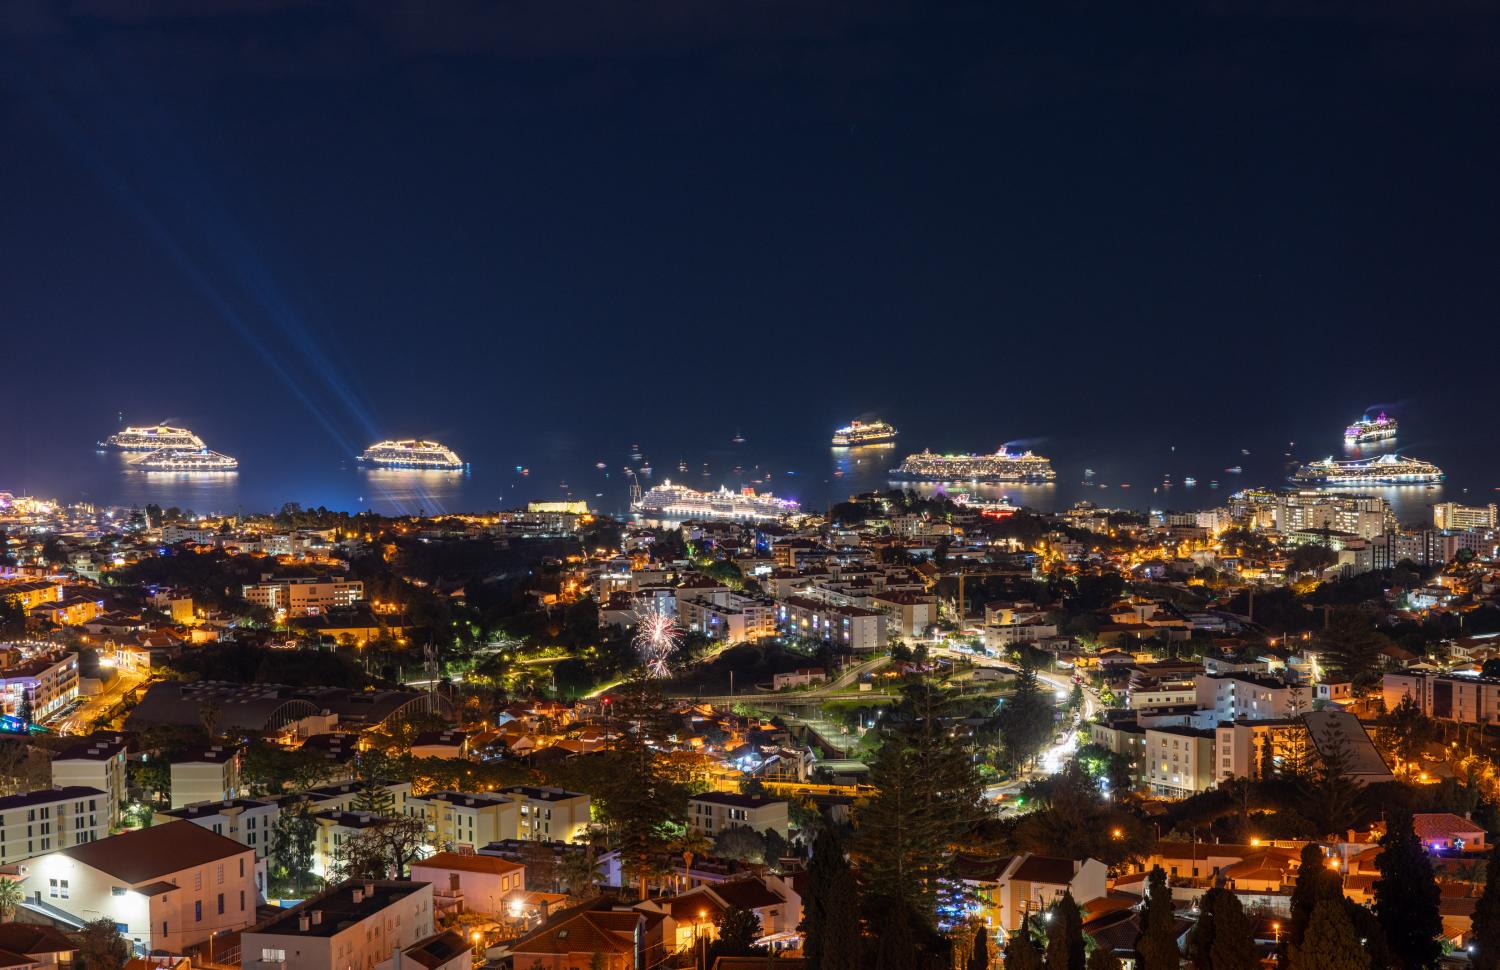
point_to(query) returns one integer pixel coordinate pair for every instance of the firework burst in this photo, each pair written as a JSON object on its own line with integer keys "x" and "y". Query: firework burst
{"x": 656, "y": 637}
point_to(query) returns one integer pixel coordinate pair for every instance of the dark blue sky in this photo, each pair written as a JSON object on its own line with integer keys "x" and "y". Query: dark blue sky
{"x": 528, "y": 222}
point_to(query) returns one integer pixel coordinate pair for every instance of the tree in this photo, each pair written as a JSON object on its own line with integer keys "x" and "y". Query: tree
{"x": 1103, "y": 958}
{"x": 640, "y": 799}
{"x": 1406, "y": 897}
{"x": 100, "y": 946}
{"x": 1020, "y": 952}
{"x": 26, "y": 713}
{"x": 1065, "y": 935}
{"x": 579, "y": 872}
{"x": 1351, "y": 645}
{"x": 292, "y": 848}
{"x": 376, "y": 799}
{"x": 897, "y": 948}
{"x": 1223, "y": 938}
{"x": 1157, "y": 943}
{"x": 740, "y": 842}
{"x": 979, "y": 956}
{"x": 738, "y": 931}
{"x": 10, "y": 898}
{"x": 1486, "y": 919}
{"x": 1315, "y": 883}
{"x": 830, "y": 909}
{"x": 1026, "y": 719}
{"x": 927, "y": 800}
{"x": 1330, "y": 943}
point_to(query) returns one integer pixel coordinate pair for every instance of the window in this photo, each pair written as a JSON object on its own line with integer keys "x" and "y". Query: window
{"x": 198, "y": 907}
{"x": 221, "y": 904}
{"x": 220, "y": 873}
{"x": 242, "y": 865}
{"x": 57, "y": 888}
{"x": 163, "y": 927}
{"x": 242, "y": 900}
{"x": 117, "y": 890}
{"x": 198, "y": 879}
{"x": 269, "y": 955}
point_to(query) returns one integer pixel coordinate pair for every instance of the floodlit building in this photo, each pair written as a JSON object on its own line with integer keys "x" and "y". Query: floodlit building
{"x": 209, "y": 775}
{"x": 463, "y": 822}
{"x": 550, "y": 814}
{"x": 1451, "y": 515}
{"x": 712, "y": 812}
{"x": 95, "y": 763}
{"x": 305, "y": 596}
{"x": 353, "y": 926}
{"x": 33, "y": 823}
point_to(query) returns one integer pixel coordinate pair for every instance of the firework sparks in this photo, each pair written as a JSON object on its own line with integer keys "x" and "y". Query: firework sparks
{"x": 656, "y": 637}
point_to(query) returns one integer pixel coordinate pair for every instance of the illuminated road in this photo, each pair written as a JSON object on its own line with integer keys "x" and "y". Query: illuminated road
{"x": 81, "y": 720}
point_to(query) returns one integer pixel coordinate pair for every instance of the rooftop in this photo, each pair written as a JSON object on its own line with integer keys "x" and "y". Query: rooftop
{"x": 48, "y": 796}
{"x": 151, "y": 853}
{"x": 493, "y": 865}
{"x": 339, "y": 907}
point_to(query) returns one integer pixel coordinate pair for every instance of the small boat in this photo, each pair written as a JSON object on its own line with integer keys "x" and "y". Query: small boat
{"x": 1245, "y": 451}
{"x": 645, "y": 469}
{"x": 738, "y": 438}
{"x": 635, "y": 452}
{"x": 682, "y": 464}
{"x": 1213, "y": 484}
{"x": 1190, "y": 481}
{"x": 600, "y": 465}
{"x": 1088, "y": 473}
{"x": 1234, "y": 469}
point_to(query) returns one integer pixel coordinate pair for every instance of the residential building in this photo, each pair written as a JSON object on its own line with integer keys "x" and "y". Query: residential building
{"x": 445, "y": 950}
{"x": 695, "y": 914}
{"x": 49, "y": 680}
{"x": 712, "y": 812}
{"x": 167, "y": 887}
{"x": 1446, "y": 697}
{"x": 909, "y": 615}
{"x": 1451, "y": 515}
{"x": 801, "y": 677}
{"x": 1444, "y": 830}
{"x": 853, "y": 627}
{"x": 209, "y": 775}
{"x": 95, "y": 763}
{"x": 1232, "y": 696}
{"x": 591, "y": 936}
{"x": 463, "y": 822}
{"x": 1366, "y": 516}
{"x": 335, "y": 828}
{"x": 1011, "y": 888}
{"x": 305, "y": 595}
{"x": 737, "y": 619}
{"x": 550, "y": 814}
{"x": 42, "y": 947}
{"x": 249, "y": 821}
{"x": 451, "y": 743}
{"x": 353, "y": 926}
{"x": 1179, "y": 760}
{"x": 470, "y": 883}
{"x": 37, "y": 822}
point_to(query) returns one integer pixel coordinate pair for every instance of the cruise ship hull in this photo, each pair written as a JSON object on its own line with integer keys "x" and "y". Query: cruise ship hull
{"x": 1386, "y": 470}
{"x": 1346, "y": 481}
{"x": 955, "y": 478}
{"x": 845, "y": 441}
{"x": 676, "y": 502}
{"x": 413, "y": 464}
{"x": 1366, "y": 436}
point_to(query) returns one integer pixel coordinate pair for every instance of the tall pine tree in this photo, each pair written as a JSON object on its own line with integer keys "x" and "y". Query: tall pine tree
{"x": 642, "y": 801}
{"x": 1315, "y": 883}
{"x": 1486, "y": 918}
{"x": 1065, "y": 935}
{"x": 1329, "y": 942}
{"x": 830, "y": 908}
{"x": 1407, "y": 896}
{"x": 1156, "y": 946}
{"x": 1103, "y": 958}
{"x": 979, "y": 956}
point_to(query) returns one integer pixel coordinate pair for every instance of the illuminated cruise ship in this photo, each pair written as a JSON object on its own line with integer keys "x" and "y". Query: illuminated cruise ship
{"x": 185, "y": 460}
{"x": 1370, "y": 429}
{"x": 153, "y": 438}
{"x": 1385, "y": 470}
{"x": 412, "y": 453}
{"x": 860, "y": 433}
{"x": 680, "y": 502}
{"x": 1002, "y": 466}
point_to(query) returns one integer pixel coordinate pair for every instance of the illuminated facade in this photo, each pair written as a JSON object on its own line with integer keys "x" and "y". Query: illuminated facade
{"x": 1002, "y": 466}
{"x": 1451, "y": 515}
{"x": 1366, "y": 516}
{"x": 305, "y": 596}
{"x": 1385, "y": 470}
{"x": 412, "y": 453}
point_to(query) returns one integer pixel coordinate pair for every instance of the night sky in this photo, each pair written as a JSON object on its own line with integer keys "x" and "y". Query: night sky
{"x": 535, "y": 223}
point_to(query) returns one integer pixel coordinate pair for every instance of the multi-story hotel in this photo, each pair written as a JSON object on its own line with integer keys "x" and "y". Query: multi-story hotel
{"x": 50, "y": 681}
{"x": 1366, "y": 516}
{"x": 1451, "y": 515}
{"x": 854, "y": 627}
{"x": 305, "y": 596}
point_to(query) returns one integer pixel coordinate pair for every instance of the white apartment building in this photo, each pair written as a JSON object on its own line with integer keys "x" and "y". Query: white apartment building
{"x": 1244, "y": 695}
{"x": 712, "y": 812}
{"x": 909, "y": 615}
{"x": 167, "y": 887}
{"x": 249, "y": 821}
{"x": 1451, "y": 515}
{"x": 335, "y": 828}
{"x": 34, "y": 823}
{"x": 304, "y": 596}
{"x": 96, "y": 763}
{"x": 1366, "y": 516}
{"x": 1179, "y": 761}
{"x": 471, "y": 883}
{"x": 50, "y": 681}
{"x": 210, "y": 775}
{"x": 852, "y": 627}
{"x": 353, "y": 926}
{"x": 1446, "y": 697}
{"x": 550, "y": 814}
{"x": 464, "y": 822}
{"x": 737, "y": 619}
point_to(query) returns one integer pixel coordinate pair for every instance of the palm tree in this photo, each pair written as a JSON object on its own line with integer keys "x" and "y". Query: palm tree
{"x": 10, "y": 898}
{"x": 579, "y": 872}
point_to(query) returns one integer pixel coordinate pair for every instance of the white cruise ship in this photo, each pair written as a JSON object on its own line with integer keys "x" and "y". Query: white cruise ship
{"x": 857, "y": 433}
{"x": 680, "y": 502}
{"x": 1370, "y": 429}
{"x": 185, "y": 460}
{"x": 1385, "y": 470}
{"x": 412, "y": 453}
{"x": 152, "y": 438}
{"x": 1002, "y": 466}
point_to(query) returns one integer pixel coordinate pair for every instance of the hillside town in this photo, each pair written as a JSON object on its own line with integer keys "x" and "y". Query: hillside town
{"x": 899, "y": 733}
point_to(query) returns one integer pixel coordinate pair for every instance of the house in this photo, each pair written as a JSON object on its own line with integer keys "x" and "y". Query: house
{"x": 589, "y": 937}
{"x": 210, "y": 775}
{"x": 41, "y": 947}
{"x": 96, "y": 763}
{"x": 695, "y": 914}
{"x": 1444, "y": 830}
{"x": 712, "y": 812}
{"x": 441, "y": 951}
{"x": 166, "y": 887}
{"x": 354, "y": 925}
{"x": 801, "y": 677}
{"x": 1009, "y": 888}
{"x": 441, "y": 744}
{"x": 33, "y": 823}
{"x": 470, "y": 883}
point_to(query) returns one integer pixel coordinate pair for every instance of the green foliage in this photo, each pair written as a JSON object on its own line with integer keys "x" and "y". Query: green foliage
{"x": 1330, "y": 942}
{"x": 1406, "y": 897}
{"x": 1026, "y": 719}
{"x": 830, "y": 909}
{"x": 1157, "y": 943}
{"x": 292, "y": 848}
{"x": 1065, "y": 935}
{"x": 979, "y": 955}
{"x": 100, "y": 946}
{"x": 738, "y": 931}
{"x": 10, "y": 898}
{"x": 1315, "y": 884}
{"x": 1486, "y": 919}
{"x": 270, "y": 769}
{"x": 1351, "y": 645}
{"x": 376, "y": 799}
{"x": 1021, "y": 953}
{"x": 742, "y": 843}
{"x": 1222, "y": 939}
{"x": 1103, "y": 959}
